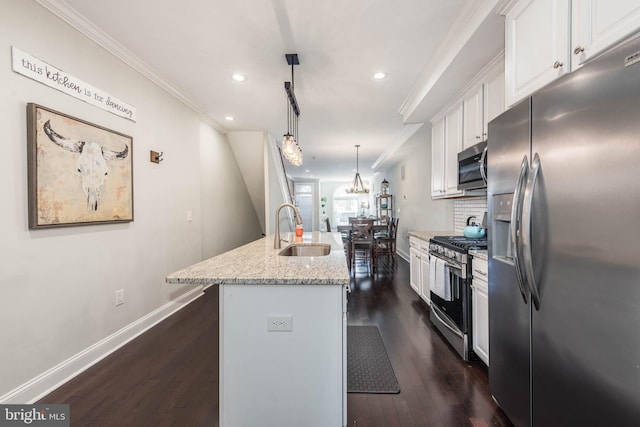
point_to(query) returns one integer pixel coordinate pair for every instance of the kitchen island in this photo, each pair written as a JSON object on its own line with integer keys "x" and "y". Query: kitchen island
{"x": 282, "y": 332}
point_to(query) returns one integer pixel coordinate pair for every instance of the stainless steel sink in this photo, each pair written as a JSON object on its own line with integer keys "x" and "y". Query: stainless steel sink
{"x": 306, "y": 249}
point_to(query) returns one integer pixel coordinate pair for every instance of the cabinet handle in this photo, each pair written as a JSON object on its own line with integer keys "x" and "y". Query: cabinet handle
{"x": 557, "y": 64}
{"x": 478, "y": 137}
{"x": 578, "y": 50}
{"x": 482, "y": 273}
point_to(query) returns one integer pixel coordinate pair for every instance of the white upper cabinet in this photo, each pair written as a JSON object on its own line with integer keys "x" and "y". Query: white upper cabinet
{"x": 437, "y": 158}
{"x": 463, "y": 123}
{"x": 545, "y": 39}
{"x": 453, "y": 145}
{"x": 536, "y": 45}
{"x": 598, "y": 24}
{"x": 473, "y": 128}
{"x": 483, "y": 104}
{"x": 446, "y": 143}
{"x": 493, "y": 100}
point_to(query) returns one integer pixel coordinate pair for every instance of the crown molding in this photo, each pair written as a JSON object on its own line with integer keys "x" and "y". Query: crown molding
{"x": 403, "y": 136}
{"x": 459, "y": 34}
{"x": 69, "y": 15}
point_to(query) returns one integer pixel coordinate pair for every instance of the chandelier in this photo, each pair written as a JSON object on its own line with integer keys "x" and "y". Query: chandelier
{"x": 290, "y": 147}
{"x": 357, "y": 186}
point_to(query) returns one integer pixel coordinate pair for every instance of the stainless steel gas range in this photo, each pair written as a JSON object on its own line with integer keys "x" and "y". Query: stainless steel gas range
{"x": 450, "y": 276}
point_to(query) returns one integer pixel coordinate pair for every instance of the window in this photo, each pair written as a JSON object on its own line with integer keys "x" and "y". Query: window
{"x": 344, "y": 205}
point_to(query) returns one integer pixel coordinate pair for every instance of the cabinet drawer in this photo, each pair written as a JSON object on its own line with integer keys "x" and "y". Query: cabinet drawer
{"x": 417, "y": 243}
{"x": 480, "y": 269}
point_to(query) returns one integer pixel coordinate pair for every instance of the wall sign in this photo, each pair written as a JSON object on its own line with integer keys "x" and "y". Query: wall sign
{"x": 47, "y": 74}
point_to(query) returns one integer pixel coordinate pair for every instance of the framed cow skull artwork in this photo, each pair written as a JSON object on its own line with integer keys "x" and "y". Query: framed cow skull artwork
{"x": 79, "y": 173}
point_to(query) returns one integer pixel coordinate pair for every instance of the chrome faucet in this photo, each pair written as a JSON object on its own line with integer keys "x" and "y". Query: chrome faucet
{"x": 276, "y": 241}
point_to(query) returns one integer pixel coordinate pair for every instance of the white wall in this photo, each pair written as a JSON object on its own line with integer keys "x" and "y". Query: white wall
{"x": 412, "y": 195}
{"x": 229, "y": 216}
{"x": 57, "y": 285}
{"x": 248, "y": 148}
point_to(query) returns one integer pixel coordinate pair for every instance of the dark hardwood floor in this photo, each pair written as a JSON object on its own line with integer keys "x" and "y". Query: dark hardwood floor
{"x": 169, "y": 375}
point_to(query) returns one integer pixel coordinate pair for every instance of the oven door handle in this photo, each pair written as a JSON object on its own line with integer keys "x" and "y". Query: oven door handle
{"x": 457, "y": 270}
{"x": 445, "y": 322}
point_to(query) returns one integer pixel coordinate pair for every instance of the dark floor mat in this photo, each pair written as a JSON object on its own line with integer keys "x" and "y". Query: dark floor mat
{"x": 368, "y": 367}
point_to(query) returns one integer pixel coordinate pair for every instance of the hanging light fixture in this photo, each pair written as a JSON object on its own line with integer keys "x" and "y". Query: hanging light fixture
{"x": 290, "y": 147}
{"x": 357, "y": 186}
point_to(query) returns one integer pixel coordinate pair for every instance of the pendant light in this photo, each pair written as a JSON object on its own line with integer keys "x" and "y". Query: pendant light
{"x": 357, "y": 186}
{"x": 290, "y": 147}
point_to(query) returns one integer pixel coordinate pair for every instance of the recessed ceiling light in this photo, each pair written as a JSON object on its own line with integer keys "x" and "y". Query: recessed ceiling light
{"x": 229, "y": 118}
{"x": 379, "y": 76}
{"x": 239, "y": 77}
{"x": 307, "y": 171}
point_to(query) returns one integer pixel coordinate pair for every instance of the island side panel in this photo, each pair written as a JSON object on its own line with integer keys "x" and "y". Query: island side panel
{"x": 281, "y": 379}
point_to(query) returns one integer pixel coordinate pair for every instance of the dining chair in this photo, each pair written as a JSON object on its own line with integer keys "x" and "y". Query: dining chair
{"x": 362, "y": 243}
{"x": 385, "y": 243}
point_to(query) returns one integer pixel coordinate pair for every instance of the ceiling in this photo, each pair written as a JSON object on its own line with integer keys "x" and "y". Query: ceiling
{"x": 195, "y": 46}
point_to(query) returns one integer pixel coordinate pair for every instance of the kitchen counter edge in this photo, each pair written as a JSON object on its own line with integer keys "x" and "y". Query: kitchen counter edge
{"x": 258, "y": 263}
{"x": 426, "y": 235}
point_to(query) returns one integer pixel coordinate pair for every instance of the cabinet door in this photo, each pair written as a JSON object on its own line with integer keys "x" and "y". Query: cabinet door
{"x": 536, "y": 45}
{"x": 437, "y": 158}
{"x": 598, "y": 24}
{"x": 453, "y": 145}
{"x": 480, "y": 309}
{"x": 472, "y": 117}
{"x": 414, "y": 279}
{"x": 493, "y": 101}
{"x": 425, "y": 288}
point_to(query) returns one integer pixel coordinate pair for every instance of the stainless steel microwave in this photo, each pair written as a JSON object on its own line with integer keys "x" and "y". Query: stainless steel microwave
{"x": 472, "y": 167}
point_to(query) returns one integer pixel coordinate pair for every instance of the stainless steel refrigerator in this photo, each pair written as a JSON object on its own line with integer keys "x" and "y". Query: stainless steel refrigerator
{"x": 564, "y": 249}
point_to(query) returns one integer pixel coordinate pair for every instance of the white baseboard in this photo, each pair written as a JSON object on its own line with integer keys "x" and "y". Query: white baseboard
{"x": 45, "y": 383}
{"x": 403, "y": 255}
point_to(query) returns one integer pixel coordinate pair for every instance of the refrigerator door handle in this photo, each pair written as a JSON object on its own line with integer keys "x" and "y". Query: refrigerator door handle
{"x": 516, "y": 216}
{"x": 526, "y": 231}
{"x": 483, "y": 159}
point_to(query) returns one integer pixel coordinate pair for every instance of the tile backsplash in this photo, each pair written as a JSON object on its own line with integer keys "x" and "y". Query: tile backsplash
{"x": 464, "y": 208}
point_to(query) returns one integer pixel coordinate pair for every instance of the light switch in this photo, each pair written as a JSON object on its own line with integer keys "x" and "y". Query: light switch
{"x": 189, "y": 216}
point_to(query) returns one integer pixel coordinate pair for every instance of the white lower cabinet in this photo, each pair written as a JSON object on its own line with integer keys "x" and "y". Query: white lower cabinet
{"x": 414, "y": 279}
{"x": 419, "y": 267}
{"x": 425, "y": 288}
{"x": 414, "y": 263}
{"x": 480, "y": 309}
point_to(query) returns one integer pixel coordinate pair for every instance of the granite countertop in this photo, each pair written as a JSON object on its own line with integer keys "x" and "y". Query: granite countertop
{"x": 426, "y": 235}
{"x": 479, "y": 253}
{"x": 258, "y": 263}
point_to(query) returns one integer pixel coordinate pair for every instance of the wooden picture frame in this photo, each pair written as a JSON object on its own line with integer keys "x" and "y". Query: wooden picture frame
{"x": 79, "y": 173}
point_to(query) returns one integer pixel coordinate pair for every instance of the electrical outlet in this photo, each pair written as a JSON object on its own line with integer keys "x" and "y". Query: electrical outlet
{"x": 280, "y": 323}
{"x": 120, "y": 297}
{"x": 189, "y": 216}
